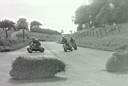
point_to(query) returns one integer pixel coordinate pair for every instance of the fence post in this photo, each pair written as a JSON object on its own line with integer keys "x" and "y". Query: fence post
{"x": 100, "y": 31}
{"x": 87, "y": 33}
{"x": 93, "y": 32}
{"x": 97, "y": 34}
{"x": 106, "y": 33}
{"x": 90, "y": 33}
{"x": 117, "y": 27}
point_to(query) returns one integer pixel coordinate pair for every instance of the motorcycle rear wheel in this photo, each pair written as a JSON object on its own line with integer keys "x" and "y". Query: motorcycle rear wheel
{"x": 42, "y": 50}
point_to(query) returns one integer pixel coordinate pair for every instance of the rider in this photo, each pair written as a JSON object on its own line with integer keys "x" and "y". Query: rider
{"x": 73, "y": 43}
{"x": 64, "y": 40}
{"x": 35, "y": 42}
{"x": 72, "y": 40}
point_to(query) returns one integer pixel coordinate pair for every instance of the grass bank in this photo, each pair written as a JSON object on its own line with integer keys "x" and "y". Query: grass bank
{"x": 115, "y": 40}
{"x": 11, "y": 45}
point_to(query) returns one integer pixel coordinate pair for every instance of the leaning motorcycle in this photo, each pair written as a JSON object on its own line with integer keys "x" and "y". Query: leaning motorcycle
{"x": 74, "y": 46}
{"x": 67, "y": 47}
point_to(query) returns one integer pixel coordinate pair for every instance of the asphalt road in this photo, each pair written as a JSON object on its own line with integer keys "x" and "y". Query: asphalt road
{"x": 84, "y": 67}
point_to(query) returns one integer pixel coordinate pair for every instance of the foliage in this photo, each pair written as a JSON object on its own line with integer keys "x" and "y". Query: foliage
{"x": 22, "y": 24}
{"x": 7, "y": 25}
{"x": 102, "y": 12}
{"x": 87, "y": 13}
{"x": 114, "y": 12}
{"x": 34, "y": 24}
{"x": 82, "y": 15}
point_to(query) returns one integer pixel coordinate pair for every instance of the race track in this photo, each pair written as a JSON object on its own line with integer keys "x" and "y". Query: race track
{"x": 84, "y": 67}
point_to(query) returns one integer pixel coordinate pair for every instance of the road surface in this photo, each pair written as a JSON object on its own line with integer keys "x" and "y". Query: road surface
{"x": 84, "y": 67}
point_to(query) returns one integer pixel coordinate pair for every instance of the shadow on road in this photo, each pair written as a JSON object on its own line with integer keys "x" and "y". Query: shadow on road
{"x": 54, "y": 79}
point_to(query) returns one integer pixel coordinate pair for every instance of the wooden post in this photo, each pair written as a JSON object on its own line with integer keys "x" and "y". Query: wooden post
{"x": 93, "y": 32}
{"x": 23, "y": 34}
{"x": 97, "y": 34}
{"x": 6, "y": 34}
{"x": 87, "y": 33}
{"x": 105, "y": 31}
{"x": 117, "y": 27}
{"x": 90, "y": 33}
{"x": 100, "y": 31}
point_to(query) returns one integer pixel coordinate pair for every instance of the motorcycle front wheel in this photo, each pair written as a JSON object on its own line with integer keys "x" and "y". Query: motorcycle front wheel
{"x": 29, "y": 50}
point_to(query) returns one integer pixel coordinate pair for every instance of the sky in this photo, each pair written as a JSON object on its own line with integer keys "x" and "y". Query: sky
{"x": 53, "y": 14}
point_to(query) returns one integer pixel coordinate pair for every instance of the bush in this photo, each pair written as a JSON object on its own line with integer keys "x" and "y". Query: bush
{"x": 118, "y": 63}
{"x": 26, "y": 68}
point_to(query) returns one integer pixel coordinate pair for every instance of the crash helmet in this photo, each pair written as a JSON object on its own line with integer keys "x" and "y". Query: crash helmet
{"x": 33, "y": 38}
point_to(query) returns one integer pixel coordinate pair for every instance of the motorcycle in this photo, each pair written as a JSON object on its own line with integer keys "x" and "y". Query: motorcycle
{"x": 33, "y": 47}
{"x": 74, "y": 46}
{"x": 67, "y": 47}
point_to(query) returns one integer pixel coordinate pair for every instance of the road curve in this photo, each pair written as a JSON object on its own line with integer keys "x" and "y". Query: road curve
{"x": 84, "y": 67}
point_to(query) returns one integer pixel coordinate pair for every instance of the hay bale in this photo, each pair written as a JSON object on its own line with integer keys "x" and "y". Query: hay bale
{"x": 118, "y": 63}
{"x": 24, "y": 68}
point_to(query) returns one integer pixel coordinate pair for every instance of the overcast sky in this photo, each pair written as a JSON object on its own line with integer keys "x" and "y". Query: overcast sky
{"x": 55, "y": 14}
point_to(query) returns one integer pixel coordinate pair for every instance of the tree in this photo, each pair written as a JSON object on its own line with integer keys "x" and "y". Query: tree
{"x": 102, "y": 12}
{"x": 35, "y": 25}
{"x": 62, "y": 31}
{"x": 115, "y": 11}
{"x": 7, "y": 25}
{"x": 22, "y": 24}
{"x": 86, "y": 14}
{"x": 82, "y": 15}
{"x": 71, "y": 31}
